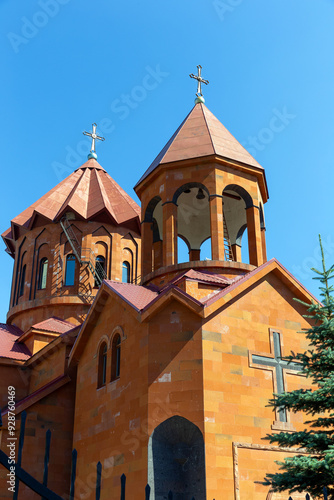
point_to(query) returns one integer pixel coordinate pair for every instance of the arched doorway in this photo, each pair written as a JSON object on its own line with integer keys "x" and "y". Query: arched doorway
{"x": 176, "y": 460}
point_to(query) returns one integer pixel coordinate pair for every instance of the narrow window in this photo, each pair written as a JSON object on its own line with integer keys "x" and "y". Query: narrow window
{"x": 116, "y": 358}
{"x": 43, "y": 271}
{"x": 70, "y": 270}
{"x": 99, "y": 269}
{"x": 22, "y": 280}
{"x": 102, "y": 369}
{"x": 125, "y": 272}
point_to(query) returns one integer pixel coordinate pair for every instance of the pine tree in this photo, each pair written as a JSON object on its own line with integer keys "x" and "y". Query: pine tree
{"x": 313, "y": 471}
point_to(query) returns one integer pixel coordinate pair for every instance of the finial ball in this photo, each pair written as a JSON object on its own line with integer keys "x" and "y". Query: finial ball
{"x": 199, "y": 99}
{"x": 92, "y": 155}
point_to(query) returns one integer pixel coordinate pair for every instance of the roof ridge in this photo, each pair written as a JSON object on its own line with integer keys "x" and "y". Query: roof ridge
{"x": 70, "y": 194}
{"x": 207, "y": 126}
{"x": 160, "y": 156}
{"x": 126, "y": 197}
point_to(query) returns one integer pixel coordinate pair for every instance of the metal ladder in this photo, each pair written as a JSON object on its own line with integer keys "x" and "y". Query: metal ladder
{"x": 227, "y": 243}
{"x": 85, "y": 256}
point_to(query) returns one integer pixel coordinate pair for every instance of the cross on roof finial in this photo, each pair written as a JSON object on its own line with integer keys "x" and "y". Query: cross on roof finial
{"x": 200, "y": 80}
{"x": 94, "y": 136}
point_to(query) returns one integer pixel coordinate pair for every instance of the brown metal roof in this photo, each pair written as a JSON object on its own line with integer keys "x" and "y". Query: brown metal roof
{"x": 201, "y": 134}
{"x": 9, "y": 346}
{"x": 89, "y": 192}
{"x": 54, "y": 325}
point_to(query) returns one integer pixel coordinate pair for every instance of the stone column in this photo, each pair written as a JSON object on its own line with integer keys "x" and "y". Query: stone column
{"x": 146, "y": 247}
{"x": 169, "y": 233}
{"x": 157, "y": 252}
{"x": 254, "y": 236}
{"x": 194, "y": 254}
{"x": 236, "y": 250}
{"x": 217, "y": 228}
{"x": 264, "y": 246}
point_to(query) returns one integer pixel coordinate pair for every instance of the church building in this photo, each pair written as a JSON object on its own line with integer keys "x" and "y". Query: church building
{"x": 160, "y": 370}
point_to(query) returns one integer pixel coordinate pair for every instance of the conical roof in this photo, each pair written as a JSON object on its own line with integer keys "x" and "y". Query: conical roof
{"x": 201, "y": 134}
{"x": 89, "y": 192}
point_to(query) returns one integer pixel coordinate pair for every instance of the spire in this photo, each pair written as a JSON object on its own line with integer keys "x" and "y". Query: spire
{"x": 94, "y": 136}
{"x": 202, "y": 134}
{"x": 200, "y": 80}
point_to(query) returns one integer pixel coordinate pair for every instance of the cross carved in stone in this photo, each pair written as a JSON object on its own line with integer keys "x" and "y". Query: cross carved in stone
{"x": 277, "y": 366}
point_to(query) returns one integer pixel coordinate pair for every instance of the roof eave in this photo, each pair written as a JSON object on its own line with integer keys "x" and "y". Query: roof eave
{"x": 259, "y": 172}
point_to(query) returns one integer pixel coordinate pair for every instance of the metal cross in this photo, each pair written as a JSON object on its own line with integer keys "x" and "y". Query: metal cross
{"x": 200, "y": 80}
{"x": 279, "y": 364}
{"x": 94, "y": 136}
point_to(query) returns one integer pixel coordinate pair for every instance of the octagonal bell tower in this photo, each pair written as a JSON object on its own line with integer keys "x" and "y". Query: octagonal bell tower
{"x": 202, "y": 185}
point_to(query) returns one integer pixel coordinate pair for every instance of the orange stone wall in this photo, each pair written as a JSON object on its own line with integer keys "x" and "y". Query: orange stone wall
{"x": 177, "y": 363}
{"x": 236, "y": 395}
{"x": 108, "y": 421}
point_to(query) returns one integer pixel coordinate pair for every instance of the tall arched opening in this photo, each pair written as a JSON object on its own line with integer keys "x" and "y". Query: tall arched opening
{"x": 176, "y": 460}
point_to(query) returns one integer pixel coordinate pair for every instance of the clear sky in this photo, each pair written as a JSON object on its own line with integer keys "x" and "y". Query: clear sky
{"x": 125, "y": 65}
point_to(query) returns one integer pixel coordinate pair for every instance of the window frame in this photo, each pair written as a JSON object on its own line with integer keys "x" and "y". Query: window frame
{"x": 116, "y": 357}
{"x": 43, "y": 273}
{"x": 102, "y": 365}
{"x": 126, "y": 266}
{"x": 70, "y": 258}
{"x": 22, "y": 280}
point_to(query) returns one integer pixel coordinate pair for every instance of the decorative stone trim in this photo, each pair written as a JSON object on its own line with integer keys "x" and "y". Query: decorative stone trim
{"x": 250, "y": 446}
{"x": 117, "y": 329}
{"x": 105, "y": 339}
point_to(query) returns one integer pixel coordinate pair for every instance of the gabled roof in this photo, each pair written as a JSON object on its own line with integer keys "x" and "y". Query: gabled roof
{"x": 89, "y": 192}
{"x": 54, "y": 325}
{"x": 145, "y": 302}
{"x": 137, "y": 296}
{"x": 201, "y": 134}
{"x": 9, "y": 346}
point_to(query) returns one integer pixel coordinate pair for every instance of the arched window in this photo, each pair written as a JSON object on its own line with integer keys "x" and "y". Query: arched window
{"x": 102, "y": 369}
{"x": 116, "y": 357}
{"x": 126, "y": 272}
{"x": 99, "y": 269}
{"x": 22, "y": 280}
{"x": 70, "y": 270}
{"x": 42, "y": 273}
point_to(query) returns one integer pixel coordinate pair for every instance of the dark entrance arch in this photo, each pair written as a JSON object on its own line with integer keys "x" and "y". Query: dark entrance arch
{"x": 176, "y": 460}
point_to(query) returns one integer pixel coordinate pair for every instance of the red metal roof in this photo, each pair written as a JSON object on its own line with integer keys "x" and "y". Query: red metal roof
{"x": 208, "y": 277}
{"x": 54, "y": 325}
{"x": 137, "y": 296}
{"x": 201, "y": 134}
{"x": 9, "y": 347}
{"x": 90, "y": 193}
{"x": 140, "y": 297}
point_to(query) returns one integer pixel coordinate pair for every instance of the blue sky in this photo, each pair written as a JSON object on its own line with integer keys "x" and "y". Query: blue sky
{"x": 125, "y": 65}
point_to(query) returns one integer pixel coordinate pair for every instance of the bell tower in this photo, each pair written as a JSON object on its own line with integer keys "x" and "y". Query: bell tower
{"x": 202, "y": 185}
